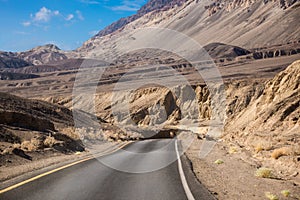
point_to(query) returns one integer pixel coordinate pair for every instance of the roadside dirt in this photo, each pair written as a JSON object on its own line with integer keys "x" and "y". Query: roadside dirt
{"x": 235, "y": 176}
{"x": 12, "y": 166}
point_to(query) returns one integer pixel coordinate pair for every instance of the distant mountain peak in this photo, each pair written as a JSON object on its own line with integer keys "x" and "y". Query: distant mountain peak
{"x": 151, "y": 5}
{"x": 49, "y": 47}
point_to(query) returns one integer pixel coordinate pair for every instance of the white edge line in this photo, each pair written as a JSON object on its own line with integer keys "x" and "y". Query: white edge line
{"x": 185, "y": 185}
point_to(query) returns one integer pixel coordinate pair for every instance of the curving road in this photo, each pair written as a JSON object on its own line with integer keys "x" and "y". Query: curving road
{"x": 95, "y": 180}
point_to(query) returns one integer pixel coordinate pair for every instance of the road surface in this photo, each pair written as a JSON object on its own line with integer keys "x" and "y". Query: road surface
{"x": 94, "y": 180}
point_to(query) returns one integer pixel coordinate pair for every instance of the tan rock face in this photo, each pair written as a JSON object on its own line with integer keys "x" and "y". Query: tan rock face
{"x": 267, "y": 115}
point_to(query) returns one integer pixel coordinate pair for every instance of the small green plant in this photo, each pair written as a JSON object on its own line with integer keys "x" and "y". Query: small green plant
{"x": 285, "y": 193}
{"x": 219, "y": 161}
{"x": 232, "y": 150}
{"x": 271, "y": 196}
{"x": 264, "y": 172}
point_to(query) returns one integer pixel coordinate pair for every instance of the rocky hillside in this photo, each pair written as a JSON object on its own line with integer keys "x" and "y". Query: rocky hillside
{"x": 247, "y": 24}
{"x": 43, "y": 54}
{"x": 11, "y": 60}
{"x": 30, "y": 124}
{"x": 271, "y": 108}
{"x": 150, "y": 6}
{"x": 46, "y": 54}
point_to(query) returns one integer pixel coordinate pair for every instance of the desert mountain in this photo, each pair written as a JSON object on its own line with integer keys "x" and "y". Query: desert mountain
{"x": 241, "y": 25}
{"x": 11, "y": 60}
{"x": 247, "y": 24}
{"x": 43, "y": 54}
{"x": 150, "y": 6}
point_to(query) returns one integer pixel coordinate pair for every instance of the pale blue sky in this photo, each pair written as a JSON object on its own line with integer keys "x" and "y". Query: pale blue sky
{"x": 65, "y": 23}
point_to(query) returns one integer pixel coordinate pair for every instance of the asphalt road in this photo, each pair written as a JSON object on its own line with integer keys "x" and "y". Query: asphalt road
{"x": 93, "y": 179}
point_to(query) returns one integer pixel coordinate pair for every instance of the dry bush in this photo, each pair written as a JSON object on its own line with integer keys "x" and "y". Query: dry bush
{"x": 17, "y": 145}
{"x": 264, "y": 173}
{"x": 49, "y": 141}
{"x": 71, "y": 132}
{"x": 28, "y": 146}
{"x": 32, "y": 145}
{"x": 219, "y": 161}
{"x": 262, "y": 146}
{"x": 7, "y": 151}
{"x": 232, "y": 150}
{"x": 285, "y": 193}
{"x": 271, "y": 196}
{"x": 284, "y": 151}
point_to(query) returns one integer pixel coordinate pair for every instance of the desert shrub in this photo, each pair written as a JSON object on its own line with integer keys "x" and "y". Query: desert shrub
{"x": 32, "y": 145}
{"x": 258, "y": 148}
{"x": 232, "y": 150}
{"x": 219, "y": 161}
{"x": 285, "y": 193}
{"x": 28, "y": 146}
{"x": 271, "y": 196}
{"x": 71, "y": 132}
{"x": 49, "y": 141}
{"x": 264, "y": 172}
{"x": 262, "y": 146}
{"x": 284, "y": 151}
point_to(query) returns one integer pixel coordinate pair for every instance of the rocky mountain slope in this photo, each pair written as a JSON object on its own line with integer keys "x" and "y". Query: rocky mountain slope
{"x": 11, "y": 60}
{"x": 247, "y": 24}
{"x": 37, "y": 56}
{"x": 271, "y": 109}
{"x": 43, "y": 54}
{"x": 31, "y": 123}
{"x": 150, "y": 6}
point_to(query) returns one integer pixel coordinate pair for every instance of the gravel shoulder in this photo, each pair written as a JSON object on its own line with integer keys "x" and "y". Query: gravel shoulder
{"x": 234, "y": 177}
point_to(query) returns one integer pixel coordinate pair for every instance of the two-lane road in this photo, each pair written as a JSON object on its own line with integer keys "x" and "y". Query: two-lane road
{"x": 93, "y": 179}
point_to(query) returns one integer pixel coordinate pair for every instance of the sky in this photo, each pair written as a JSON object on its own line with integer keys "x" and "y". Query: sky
{"x": 66, "y": 23}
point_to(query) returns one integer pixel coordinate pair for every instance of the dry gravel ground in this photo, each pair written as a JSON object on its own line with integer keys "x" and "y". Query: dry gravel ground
{"x": 235, "y": 178}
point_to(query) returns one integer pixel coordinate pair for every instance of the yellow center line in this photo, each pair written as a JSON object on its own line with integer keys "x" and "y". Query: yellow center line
{"x": 58, "y": 169}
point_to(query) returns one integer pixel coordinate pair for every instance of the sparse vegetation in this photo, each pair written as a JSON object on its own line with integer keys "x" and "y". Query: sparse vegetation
{"x": 271, "y": 196}
{"x": 262, "y": 146}
{"x": 219, "y": 161}
{"x": 232, "y": 150}
{"x": 264, "y": 172}
{"x": 49, "y": 141}
{"x": 32, "y": 145}
{"x": 285, "y": 193}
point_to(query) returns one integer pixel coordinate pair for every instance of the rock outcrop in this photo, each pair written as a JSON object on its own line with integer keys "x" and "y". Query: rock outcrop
{"x": 267, "y": 114}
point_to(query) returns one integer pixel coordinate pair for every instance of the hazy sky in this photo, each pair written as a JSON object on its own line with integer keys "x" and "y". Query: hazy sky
{"x": 65, "y": 23}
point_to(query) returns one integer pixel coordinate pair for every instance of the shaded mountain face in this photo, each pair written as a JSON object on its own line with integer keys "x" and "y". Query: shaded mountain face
{"x": 10, "y": 60}
{"x": 220, "y": 50}
{"x": 152, "y": 5}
